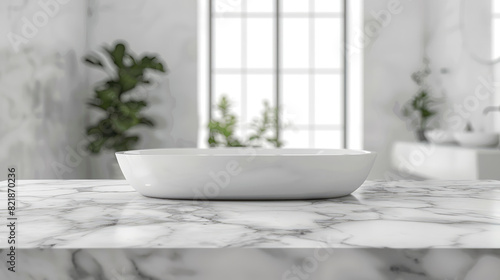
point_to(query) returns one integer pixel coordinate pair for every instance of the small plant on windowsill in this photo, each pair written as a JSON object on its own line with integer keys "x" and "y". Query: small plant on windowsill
{"x": 112, "y": 97}
{"x": 419, "y": 109}
{"x": 222, "y": 129}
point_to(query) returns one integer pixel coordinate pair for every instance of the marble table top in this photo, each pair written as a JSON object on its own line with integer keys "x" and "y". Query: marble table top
{"x": 401, "y": 214}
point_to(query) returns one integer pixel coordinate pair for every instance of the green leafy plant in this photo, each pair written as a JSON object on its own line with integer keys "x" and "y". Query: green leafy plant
{"x": 265, "y": 129}
{"x": 113, "y": 97}
{"x": 419, "y": 109}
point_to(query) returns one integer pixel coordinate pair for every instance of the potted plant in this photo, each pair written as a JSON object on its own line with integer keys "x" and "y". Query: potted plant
{"x": 419, "y": 109}
{"x": 112, "y": 97}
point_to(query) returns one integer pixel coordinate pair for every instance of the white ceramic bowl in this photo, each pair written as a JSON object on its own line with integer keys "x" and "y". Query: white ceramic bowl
{"x": 476, "y": 139}
{"x": 254, "y": 174}
{"x": 438, "y": 136}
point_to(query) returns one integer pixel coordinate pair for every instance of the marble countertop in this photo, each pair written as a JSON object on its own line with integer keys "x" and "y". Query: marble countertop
{"x": 404, "y": 214}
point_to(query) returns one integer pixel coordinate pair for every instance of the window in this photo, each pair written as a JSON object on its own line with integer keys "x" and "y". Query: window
{"x": 288, "y": 52}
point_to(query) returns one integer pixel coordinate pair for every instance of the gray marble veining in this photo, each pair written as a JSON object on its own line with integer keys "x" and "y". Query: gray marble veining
{"x": 406, "y": 214}
{"x": 262, "y": 264}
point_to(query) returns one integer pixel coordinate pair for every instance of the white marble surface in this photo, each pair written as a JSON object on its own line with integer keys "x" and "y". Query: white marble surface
{"x": 110, "y": 214}
{"x": 261, "y": 264}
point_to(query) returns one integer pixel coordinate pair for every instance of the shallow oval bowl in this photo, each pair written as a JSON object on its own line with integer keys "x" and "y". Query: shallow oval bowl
{"x": 245, "y": 174}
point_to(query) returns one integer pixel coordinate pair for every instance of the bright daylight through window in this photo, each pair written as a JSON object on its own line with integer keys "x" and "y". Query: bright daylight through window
{"x": 284, "y": 52}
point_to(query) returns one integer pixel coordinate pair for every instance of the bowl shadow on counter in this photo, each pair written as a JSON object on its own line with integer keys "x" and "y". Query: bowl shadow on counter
{"x": 350, "y": 198}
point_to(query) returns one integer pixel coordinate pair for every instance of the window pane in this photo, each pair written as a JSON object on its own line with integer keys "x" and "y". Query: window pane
{"x": 496, "y": 6}
{"x": 227, "y": 44}
{"x": 260, "y": 88}
{"x": 296, "y": 138}
{"x": 295, "y": 43}
{"x": 329, "y": 139}
{"x": 298, "y": 107}
{"x": 295, "y": 6}
{"x": 260, "y": 43}
{"x": 260, "y": 6}
{"x": 327, "y": 45}
{"x": 227, "y": 6}
{"x": 328, "y": 99}
{"x": 328, "y": 6}
{"x": 229, "y": 86}
{"x": 295, "y": 98}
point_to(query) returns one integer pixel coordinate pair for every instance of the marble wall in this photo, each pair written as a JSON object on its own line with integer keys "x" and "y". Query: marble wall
{"x": 421, "y": 28}
{"x": 393, "y": 53}
{"x": 459, "y": 45}
{"x": 44, "y": 84}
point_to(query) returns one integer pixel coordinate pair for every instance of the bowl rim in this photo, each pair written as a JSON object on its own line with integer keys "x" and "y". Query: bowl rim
{"x": 244, "y": 152}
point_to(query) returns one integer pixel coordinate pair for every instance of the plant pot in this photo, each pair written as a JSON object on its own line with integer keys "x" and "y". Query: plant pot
{"x": 420, "y": 134}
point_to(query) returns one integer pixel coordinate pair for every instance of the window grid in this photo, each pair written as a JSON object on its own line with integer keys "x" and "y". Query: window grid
{"x": 281, "y": 15}
{"x": 278, "y": 69}
{"x": 237, "y": 71}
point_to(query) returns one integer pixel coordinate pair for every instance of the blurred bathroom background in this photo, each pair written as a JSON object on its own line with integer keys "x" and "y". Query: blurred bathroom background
{"x": 340, "y": 73}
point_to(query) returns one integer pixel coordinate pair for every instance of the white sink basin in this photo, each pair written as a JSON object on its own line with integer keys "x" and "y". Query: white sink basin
{"x": 254, "y": 174}
{"x": 476, "y": 139}
{"x": 438, "y": 136}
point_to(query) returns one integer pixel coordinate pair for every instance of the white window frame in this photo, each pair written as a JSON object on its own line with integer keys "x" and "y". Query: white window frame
{"x": 353, "y": 93}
